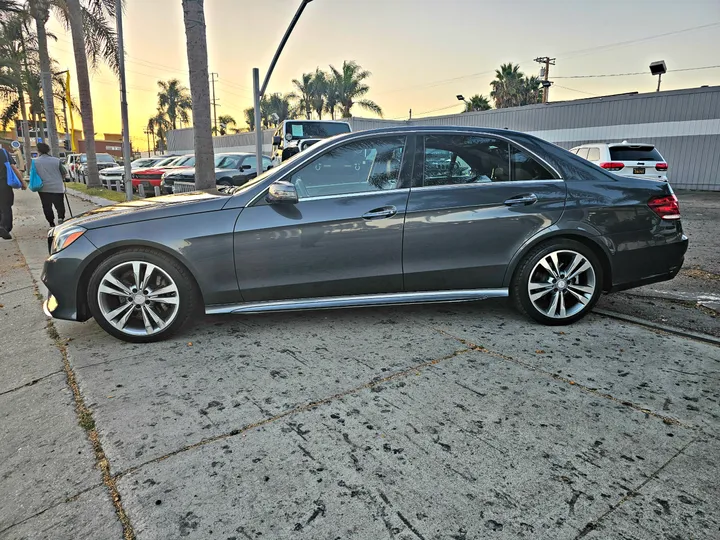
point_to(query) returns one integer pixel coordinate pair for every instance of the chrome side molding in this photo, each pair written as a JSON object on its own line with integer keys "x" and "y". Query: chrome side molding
{"x": 366, "y": 300}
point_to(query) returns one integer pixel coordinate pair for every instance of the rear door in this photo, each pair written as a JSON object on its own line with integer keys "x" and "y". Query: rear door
{"x": 639, "y": 161}
{"x": 475, "y": 200}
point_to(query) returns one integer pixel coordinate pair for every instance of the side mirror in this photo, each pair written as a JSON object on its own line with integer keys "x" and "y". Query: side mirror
{"x": 282, "y": 192}
{"x": 277, "y": 139}
{"x": 290, "y": 152}
{"x": 245, "y": 167}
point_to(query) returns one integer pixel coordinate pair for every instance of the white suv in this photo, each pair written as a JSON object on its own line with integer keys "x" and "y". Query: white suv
{"x": 637, "y": 160}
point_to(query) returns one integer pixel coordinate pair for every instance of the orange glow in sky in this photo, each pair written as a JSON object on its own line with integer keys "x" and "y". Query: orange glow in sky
{"x": 422, "y": 53}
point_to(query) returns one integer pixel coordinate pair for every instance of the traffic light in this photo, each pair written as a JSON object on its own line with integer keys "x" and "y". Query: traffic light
{"x": 66, "y": 144}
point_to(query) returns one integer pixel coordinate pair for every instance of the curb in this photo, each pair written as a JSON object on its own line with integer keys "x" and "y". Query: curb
{"x": 697, "y": 336}
{"x": 99, "y": 201}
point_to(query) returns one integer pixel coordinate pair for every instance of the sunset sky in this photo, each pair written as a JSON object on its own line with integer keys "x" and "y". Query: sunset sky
{"x": 421, "y": 52}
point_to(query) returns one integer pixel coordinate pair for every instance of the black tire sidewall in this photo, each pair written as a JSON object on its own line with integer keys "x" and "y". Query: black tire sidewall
{"x": 167, "y": 264}
{"x": 519, "y": 290}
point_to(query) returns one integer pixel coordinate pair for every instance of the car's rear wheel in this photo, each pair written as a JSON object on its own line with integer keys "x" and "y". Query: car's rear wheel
{"x": 558, "y": 282}
{"x": 141, "y": 295}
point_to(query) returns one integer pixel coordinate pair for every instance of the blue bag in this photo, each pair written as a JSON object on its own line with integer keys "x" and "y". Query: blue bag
{"x": 12, "y": 180}
{"x": 36, "y": 182}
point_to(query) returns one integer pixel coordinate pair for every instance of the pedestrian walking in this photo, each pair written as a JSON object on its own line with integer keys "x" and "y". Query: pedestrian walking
{"x": 52, "y": 191}
{"x": 7, "y": 196}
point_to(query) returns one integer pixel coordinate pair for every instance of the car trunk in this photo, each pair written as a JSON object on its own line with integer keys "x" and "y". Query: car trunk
{"x": 639, "y": 161}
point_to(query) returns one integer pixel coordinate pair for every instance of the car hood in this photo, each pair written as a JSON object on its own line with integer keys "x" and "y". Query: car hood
{"x": 153, "y": 208}
{"x": 114, "y": 170}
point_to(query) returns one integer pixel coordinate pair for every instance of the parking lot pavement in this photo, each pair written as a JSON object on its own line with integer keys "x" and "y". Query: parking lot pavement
{"x": 458, "y": 421}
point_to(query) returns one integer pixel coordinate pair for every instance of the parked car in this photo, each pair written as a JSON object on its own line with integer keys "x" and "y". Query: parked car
{"x": 230, "y": 170}
{"x": 150, "y": 177}
{"x": 104, "y": 161}
{"x": 287, "y": 137}
{"x": 639, "y": 160}
{"x": 369, "y": 218}
{"x": 72, "y": 163}
{"x": 115, "y": 174}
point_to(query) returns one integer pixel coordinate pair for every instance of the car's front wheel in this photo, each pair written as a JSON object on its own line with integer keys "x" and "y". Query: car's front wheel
{"x": 141, "y": 295}
{"x": 558, "y": 282}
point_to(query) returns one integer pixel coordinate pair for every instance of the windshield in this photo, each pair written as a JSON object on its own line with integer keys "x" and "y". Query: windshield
{"x": 166, "y": 161}
{"x": 105, "y": 158}
{"x": 185, "y": 161}
{"x": 227, "y": 162}
{"x": 146, "y": 162}
{"x": 307, "y": 130}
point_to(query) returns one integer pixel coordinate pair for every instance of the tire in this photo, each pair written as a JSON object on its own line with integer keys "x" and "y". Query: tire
{"x": 540, "y": 288}
{"x": 152, "y": 312}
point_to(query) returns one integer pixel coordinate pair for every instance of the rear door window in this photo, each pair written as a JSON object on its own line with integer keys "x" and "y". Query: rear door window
{"x": 583, "y": 153}
{"x": 634, "y": 153}
{"x": 594, "y": 154}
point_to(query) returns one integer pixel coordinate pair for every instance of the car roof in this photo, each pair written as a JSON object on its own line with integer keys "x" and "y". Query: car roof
{"x": 315, "y": 121}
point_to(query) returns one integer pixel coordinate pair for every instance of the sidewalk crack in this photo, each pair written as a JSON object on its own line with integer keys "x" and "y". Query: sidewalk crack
{"x": 31, "y": 383}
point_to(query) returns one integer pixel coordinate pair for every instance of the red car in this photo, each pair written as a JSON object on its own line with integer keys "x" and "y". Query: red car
{"x": 151, "y": 176}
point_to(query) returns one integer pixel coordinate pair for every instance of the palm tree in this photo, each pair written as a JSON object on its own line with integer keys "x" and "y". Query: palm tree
{"x": 305, "y": 87}
{"x": 9, "y": 6}
{"x": 250, "y": 118}
{"x": 531, "y": 91}
{"x": 93, "y": 37}
{"x": 478, "y": 102}
{"x": 194, "y": 17}
{"x": 226, "y": 121}
{"x": 159, "y": 124}
{"x": 506, "y": 86}
{"x": 174, "y": 97}
{"x": 318, "y": 91}
{"x": 276, "y": 104}
{"x": 349, "y": 86}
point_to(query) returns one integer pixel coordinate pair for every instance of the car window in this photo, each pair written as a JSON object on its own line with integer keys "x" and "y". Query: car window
{"x": 227, "y": 162}
{"x": 267, "y": 162}
{"x": 526, "y": 167}
{"x": 105, "y": 158}
{"x": 583, "y": 153}
{"x": 357, "y": 167}
{"x": 634, "y": 153}
{"x": 460, "y": 159}
{"x": 594, "y": 154}
{"x": 250, "y": 160}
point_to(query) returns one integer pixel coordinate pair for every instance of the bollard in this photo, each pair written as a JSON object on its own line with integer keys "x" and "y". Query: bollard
{"x": 157, "y": 191}
{"x": 141, "y": 191}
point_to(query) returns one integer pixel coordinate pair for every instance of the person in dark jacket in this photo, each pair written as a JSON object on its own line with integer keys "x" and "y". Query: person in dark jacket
{"x": 7, "y": 197}
{"x": 52, "y": 172}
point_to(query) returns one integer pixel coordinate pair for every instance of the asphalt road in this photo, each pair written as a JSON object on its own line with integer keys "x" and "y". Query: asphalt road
{"x": 463, "y": 421}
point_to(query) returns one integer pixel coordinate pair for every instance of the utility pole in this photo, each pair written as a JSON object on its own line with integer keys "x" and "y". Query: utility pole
{"x": 214, "y": 101}
{"x": 410, "y": 118}
{"x": 123, "y": 103}
{"x": 545, "y": 74}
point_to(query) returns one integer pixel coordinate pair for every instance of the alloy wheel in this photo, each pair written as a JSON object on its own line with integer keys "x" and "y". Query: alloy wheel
{"x": 562, "y": 284}
{"x": 138, "y": 298}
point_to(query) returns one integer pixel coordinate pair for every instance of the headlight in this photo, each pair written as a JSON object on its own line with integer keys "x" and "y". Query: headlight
{"x": 163, "y": 176}
{"x": 65, "y": 237}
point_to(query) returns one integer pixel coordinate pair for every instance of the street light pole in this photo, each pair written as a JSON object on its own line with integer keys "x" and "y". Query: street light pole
{"x": 123, "y": 103}
{"x": 67, "y": 130}
{"x": 259, "y": 91}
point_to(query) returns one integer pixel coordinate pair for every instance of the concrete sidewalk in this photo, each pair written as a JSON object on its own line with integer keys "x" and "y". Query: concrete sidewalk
{"x": 50, "y": 483}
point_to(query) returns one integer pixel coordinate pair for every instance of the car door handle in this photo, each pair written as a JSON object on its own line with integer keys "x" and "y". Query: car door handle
{"x": 378, "y": 213}
{"x": 528, "y": 199}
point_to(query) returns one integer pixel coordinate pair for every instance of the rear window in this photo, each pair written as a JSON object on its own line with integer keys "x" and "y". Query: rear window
{"x": 634, "y": 153}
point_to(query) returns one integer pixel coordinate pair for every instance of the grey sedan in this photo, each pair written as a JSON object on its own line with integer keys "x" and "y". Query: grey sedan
{"x": 390, "y": 216}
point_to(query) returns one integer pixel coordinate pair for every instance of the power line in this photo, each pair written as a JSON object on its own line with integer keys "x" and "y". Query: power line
{"x": 629, "y": 74}
{"x": 574, "y": 90}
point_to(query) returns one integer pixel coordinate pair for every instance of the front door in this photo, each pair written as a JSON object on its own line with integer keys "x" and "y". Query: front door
{"x": 476, "y": 200}
{"x": 343, "y": 237}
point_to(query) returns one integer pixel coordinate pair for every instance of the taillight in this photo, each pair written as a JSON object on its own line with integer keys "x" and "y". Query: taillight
{"x": 613, "y": 165}
{"x": 661, "y": 167}
{"x": 665, "y": 207}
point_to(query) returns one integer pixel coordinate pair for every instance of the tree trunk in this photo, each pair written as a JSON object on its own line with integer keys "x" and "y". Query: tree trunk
{"x": 194, "y": 16}
{"x": 25, "y": 129}
{"x": 41, "y": 14}
{"x": 83, "y": 81}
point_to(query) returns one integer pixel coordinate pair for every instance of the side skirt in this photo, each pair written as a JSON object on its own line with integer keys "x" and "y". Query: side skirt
{"x": 367, "y": 300}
